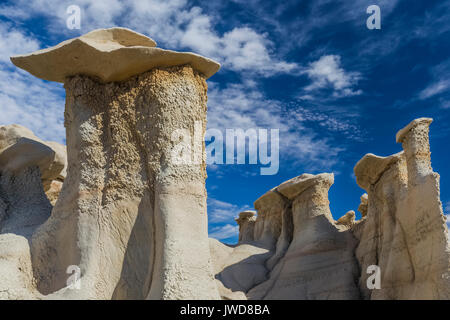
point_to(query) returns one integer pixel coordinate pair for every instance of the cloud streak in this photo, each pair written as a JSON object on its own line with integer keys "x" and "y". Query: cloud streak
{"x": 328, "y": 72}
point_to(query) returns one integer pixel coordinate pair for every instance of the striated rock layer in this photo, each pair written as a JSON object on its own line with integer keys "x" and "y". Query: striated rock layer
{"x": 402, "y": 234}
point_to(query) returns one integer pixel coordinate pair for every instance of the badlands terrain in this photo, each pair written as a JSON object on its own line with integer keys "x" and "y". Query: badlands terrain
{"x": 113, "y": 205}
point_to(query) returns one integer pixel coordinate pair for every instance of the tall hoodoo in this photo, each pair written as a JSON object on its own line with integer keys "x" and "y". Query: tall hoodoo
{"x": 416, "y": 144}
{"x": 132, "y": 219}
{"x": 246, "y": 222}
{"x": 317, "y": 262}
{"x": 404, "y": 232}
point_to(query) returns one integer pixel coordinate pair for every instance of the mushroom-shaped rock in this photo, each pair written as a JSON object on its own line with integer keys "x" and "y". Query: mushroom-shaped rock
{"x": 23, "y": 208}
{"x": 370, "y": 168}
{"x": 363, "y": 205}
{"x": 269, "y": 220}
{"x": 347, "y": 219}
{"x": 319, "y": 261}
{"x": 52, "y": 173}
{"x": 246, "y": 222}
{"x": 130, "y": 216}
{"x": 109, "y": 55}
{"x": 10, "y": 134}
{"x": 295, "y": 186}
{"x": 404, "y": 232}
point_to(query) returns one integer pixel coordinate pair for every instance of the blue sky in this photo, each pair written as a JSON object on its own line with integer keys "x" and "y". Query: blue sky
{"x": 335, "y": 89}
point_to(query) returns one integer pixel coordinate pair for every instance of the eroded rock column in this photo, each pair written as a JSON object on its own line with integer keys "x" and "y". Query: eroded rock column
{"x": 404, "y": 233}
{"x": 416, "y": 144}
{"x": 130, "y": 218}
{"x": 319, "y": 262}
{"x": 23, "y": 208}
{"x": 246, "y": 222}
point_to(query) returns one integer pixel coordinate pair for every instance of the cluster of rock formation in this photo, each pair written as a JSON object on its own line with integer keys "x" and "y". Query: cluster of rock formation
{"x": 133, "y": 222}
{"x": 308, "y": 255}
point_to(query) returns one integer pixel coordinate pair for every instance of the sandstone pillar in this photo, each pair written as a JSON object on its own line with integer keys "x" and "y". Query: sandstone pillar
{"x": 269, "y": 220}
{"x": 128, "y": 216}
{"x": 246, "y": 222}
{"x": 363, "y": 205}
{"x": 416, "y": 144}
{"x": 318, "y": 263}
{"x": 23, "y": 208}
{"x": 404, "y": 232}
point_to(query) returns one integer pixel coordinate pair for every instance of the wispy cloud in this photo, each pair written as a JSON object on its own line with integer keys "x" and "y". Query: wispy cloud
{"x": 173, "y": 23}
{"x": 244, "y": 105}
{"x": 33, "y": 103}
{"x": 14, "y": 41}
{"x": 225, "y": 232}
{"x": 435, "y": 88}
{"x": 439, "y": 87}
{"x": 221, "y": 217}
{"x": 328, "y": 72}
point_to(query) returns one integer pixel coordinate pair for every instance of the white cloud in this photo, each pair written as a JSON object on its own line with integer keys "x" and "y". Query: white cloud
{"x": 440, "y": 85}
{"x": 173, "y": 23}
{"x": 220, "y": 211}
{"x": 327, "y": 72}
{"x": 245, "y": 49}
{"x": 224, "y": 232}
{"x": 435, "y": 88}
{"x": 244, "y": 106}
{"x": 13, "y": 42}
{"x": 39, "y": 105}
{"x": 25, "y": 100}
{"x": 220, "y": 214}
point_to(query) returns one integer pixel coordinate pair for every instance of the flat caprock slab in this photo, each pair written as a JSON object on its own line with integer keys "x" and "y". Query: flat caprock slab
{"x": 109, "y": 55}
{"x": 401, "y": 133}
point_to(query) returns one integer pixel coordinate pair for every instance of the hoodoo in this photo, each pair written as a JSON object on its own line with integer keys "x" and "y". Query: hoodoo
{"x": 118, "y": 217}
{"x": 402, "y": 233}
{"x": 133, "y": 221}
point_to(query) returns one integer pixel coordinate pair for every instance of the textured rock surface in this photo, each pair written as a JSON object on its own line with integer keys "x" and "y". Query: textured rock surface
{"x": 246, "y": 222}
{"x": 402, "y": 231}
{"x": 129, "y": 216}
{"x": 319, "y": 261}
{"x": 20, "y": 148}
{"x": 114, "y": 54}
{"x": 347, "y": 220}
{"x": 23, "y": 207}
{"x": 363, "y": 205}
{"x": 134, "y": 222}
